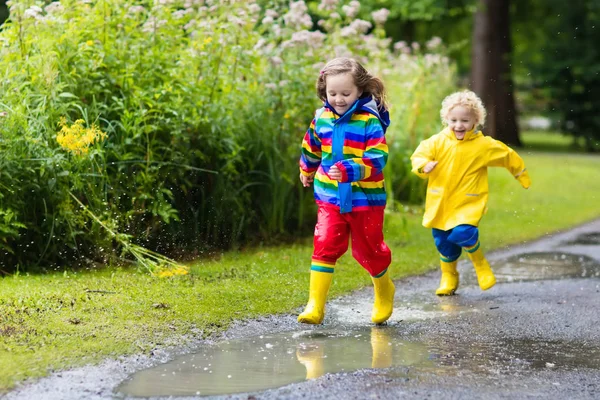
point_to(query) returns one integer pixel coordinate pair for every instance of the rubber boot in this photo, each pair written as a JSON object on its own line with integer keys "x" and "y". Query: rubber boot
{"x": 485, "y": 276}
{"x": 449, "y": 280}
{"x": 382, "y": 348}
{"x": 384, "y": 298}
{"x": 311, "y": 357}
{"x": 315, "y": 309}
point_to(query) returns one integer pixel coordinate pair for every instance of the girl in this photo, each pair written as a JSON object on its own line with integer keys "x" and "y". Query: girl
{"x": 343, "y": 153}
{"x": 456, "y": 161}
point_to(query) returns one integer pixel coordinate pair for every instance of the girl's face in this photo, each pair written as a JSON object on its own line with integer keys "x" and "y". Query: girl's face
{"x": 461, "y": 120}
{"x": 341, "y": 92}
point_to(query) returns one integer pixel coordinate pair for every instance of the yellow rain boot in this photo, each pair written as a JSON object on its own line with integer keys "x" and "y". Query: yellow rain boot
{"x": 384, "y": 297}
{"x": 319, "y": 286}
{"x": 485, "y": 276}
{"x": 382, "y": 348}
{"x": 449, "y": 280}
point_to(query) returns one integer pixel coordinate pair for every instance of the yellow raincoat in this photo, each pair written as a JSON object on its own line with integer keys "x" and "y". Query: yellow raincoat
{"x": 457, "y": 191}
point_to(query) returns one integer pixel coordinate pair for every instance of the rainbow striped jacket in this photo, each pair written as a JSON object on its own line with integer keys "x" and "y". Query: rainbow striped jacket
{"x": 355, "y": 142}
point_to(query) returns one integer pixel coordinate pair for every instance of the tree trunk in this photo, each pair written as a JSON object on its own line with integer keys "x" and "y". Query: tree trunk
{"x": 491, "y": 76}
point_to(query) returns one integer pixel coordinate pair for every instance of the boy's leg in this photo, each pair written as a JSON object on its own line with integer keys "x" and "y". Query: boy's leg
{"x": 370, "y": 250}
{"x": 330, "y": 243}
{"x": 467, "y": 236}
{"x": 449, "y": 254}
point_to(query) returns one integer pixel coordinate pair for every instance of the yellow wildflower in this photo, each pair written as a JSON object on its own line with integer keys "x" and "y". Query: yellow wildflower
{"x": 207, "y": 40}
{"x": 89, "y": 42}
{"x": 76, "y": 138}
{"x": 169, "y": 272}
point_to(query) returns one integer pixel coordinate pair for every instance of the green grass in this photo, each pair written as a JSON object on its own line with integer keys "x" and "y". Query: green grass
{"x": 549, "y": 142}
{"x": 56, "y": 321}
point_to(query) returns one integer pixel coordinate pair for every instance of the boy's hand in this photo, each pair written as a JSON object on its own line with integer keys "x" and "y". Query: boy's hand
{"x": 429, "y": 166}
{"x": 335, "y": 173}
{"x": 306, "y": 180}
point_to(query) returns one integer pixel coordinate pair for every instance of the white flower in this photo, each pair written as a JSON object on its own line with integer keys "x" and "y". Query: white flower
{"x": 271, "y": 13}
{"x": 276, "y": 60}
{"x": 254, "y": 8}
{"x": 54, "y": 7}
{"x": 380, "y": 16}
{"x": 328, "y": 5}
{"x": 136, "y": 9}
{"x": 351, "y": 10}
{"x": 434, "y": 43}
{"x": 361, "y": 26}
{"x": 190, "y": 25}
{"x": 33, "y": 12}
{"x": 298, "y": 17}
{"x": 348, "y": 31}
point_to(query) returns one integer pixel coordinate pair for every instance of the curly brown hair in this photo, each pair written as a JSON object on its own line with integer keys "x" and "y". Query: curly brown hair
{"x": 369, "y": 85}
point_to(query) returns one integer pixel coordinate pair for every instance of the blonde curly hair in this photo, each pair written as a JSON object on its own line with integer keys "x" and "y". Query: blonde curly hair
{"x": 467, "y": 99}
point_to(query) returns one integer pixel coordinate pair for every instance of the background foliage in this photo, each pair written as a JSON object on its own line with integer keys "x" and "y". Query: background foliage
{"x": 192, "y": 113}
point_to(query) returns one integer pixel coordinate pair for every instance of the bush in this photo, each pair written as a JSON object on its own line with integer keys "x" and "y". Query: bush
{"x": 185, "y": 121}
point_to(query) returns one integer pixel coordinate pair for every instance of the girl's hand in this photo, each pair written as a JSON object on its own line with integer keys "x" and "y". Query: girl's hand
{"x": 335, "y": 173}
{"x": 306, "y": 180}
{"x": 429, "y": 166}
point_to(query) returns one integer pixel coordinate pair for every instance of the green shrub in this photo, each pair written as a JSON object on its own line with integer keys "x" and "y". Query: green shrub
{"x": 198, "y": 109}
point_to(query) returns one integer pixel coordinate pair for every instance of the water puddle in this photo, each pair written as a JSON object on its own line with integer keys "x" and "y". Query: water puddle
{"x": 271, "y": 361}
{"x": 545, "y": 265}
{"x": 587, "y": 239}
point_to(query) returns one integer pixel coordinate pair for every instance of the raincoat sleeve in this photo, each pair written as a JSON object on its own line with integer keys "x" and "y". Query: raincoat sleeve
{"x": 373, "y": 157}
{"x": 500, "y": 155}
{"x": 310, "y": 156}
{"x": 422, "y": 155}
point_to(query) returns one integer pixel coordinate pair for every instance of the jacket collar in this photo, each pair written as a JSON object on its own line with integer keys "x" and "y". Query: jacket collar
{"x": 368, "y": 104}
{"x": 470, "y": 135}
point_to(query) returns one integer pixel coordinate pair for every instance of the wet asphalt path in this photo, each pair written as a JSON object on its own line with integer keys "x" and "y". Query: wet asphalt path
{"x": 535, "y": 334}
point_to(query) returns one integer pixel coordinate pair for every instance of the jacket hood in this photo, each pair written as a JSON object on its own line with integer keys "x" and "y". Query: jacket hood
{"x": 370, "y": 105}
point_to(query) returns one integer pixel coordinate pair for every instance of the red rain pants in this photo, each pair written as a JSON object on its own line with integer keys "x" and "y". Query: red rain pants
{"x": 366, "y": 229}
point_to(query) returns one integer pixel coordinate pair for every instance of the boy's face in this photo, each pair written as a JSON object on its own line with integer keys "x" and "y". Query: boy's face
{"x": 341, "y": 92}
{"x": 461, "y": 120}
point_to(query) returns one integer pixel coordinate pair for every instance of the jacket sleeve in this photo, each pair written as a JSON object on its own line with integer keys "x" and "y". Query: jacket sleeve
{"x": 374, "y": 156}
{"x": 500, "y": 155}
{"x": 310, "y": 156}
{"x": 421, "y": 156}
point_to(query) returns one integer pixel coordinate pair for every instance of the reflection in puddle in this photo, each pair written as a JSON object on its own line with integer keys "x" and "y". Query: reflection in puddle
{"x": 547, "y": 265}
{"x": 272, "y": 361}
